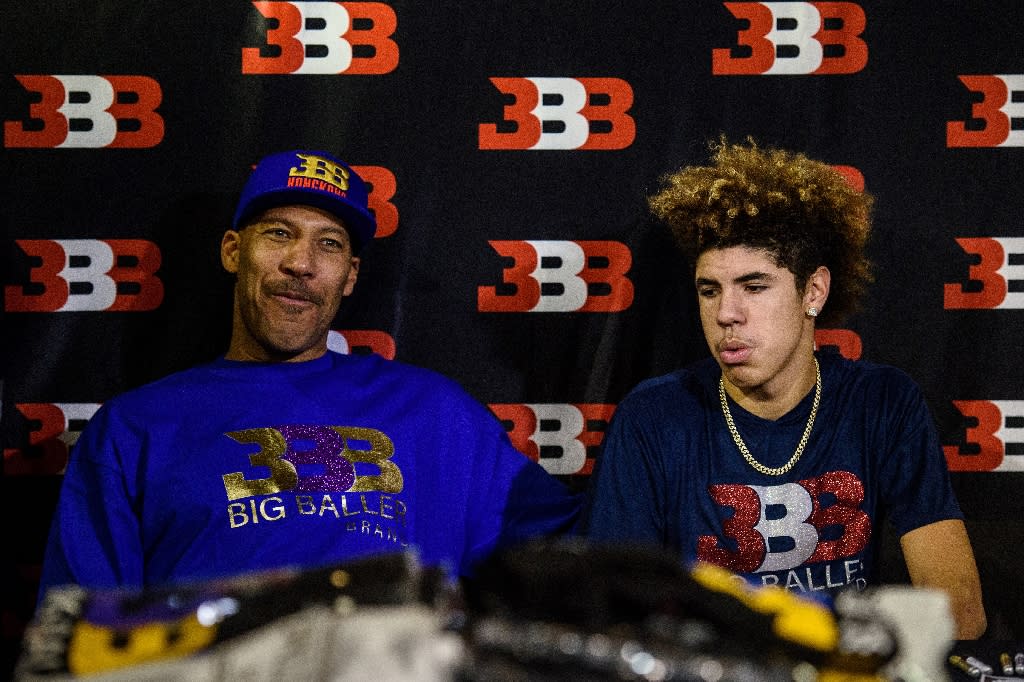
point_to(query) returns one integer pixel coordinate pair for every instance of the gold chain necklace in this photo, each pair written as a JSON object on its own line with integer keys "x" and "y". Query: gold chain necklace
{"x": 777, "y": 471}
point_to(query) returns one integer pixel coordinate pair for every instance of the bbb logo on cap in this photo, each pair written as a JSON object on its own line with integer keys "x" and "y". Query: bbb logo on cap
{"x": 316, "y": 169}
{"x": 313, "y": 178}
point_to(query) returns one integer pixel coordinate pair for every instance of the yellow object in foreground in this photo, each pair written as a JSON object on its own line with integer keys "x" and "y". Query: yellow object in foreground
{"x": 795, "y": 619}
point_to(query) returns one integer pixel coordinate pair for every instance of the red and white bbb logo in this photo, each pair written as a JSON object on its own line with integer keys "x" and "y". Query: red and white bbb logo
{"x": 994, "y": 436}
{"x": 346, "y": 341}
{"x": 113, "y": 275}
{"x": 53, "y": 429}
{"x": 323, "y": 38}
{"x": 991, "y": 125}
{"x": 562, "y": 113}
{"x": 558, "y": 436}
{"x": 995, "y": 280}
{"x": 560, "y": 276}
{"x": 790, "y": 511}
{"x": 795, "y": 38}
{"x": 88, "y": 111}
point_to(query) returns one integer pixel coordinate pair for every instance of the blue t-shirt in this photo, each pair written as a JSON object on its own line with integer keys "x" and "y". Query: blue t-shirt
{"x": 232, "y": 467}
{"x": 670, "y": 473}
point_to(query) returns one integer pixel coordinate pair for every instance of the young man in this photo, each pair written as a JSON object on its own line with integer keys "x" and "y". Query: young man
{"x": 769, "y": 458}
{"x": 282, "y": 453}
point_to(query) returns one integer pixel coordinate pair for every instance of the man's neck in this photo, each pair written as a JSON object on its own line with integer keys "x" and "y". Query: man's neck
{"x": 777, "y": 397}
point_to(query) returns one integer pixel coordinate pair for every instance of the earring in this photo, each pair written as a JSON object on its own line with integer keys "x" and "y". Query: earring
{"x": 812, "y": 312}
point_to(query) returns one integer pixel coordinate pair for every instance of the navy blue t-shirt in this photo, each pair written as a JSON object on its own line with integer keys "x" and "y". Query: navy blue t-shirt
{"x": 670, "y": 473}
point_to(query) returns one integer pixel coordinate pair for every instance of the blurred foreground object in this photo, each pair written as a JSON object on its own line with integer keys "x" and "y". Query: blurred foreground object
{"x": 562, "y": 610}
{"x": 545, "y": 611}
{"x": 372, "y": 619}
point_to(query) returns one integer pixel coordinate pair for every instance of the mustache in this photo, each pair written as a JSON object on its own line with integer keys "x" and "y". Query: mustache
{"x": 732, "y": 344}
{"x": 294, "y": 290}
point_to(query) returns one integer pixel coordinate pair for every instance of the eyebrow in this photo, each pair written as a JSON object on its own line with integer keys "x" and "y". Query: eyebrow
{"x": 742, "y": 279}
{"x": 339, "y": 229}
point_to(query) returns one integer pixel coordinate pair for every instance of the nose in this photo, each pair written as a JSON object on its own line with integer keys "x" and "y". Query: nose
{"x": 730, "y": 309}
{"x": 299, "y": 259}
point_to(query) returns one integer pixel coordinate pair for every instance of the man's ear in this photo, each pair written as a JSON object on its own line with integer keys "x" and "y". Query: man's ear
{"x": 353, "y": 274}
{"x": 817, "y": 288}
{"x": 230, "y": 246}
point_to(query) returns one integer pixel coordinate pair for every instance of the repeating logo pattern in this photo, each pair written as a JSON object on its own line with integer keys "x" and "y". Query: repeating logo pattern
{"x": 88, "y": 111}
{"x": 560, "y": 276}
{"x": 53, "y": 429}
{"x": 793, "y": 38}
{"x": 995, "y": 280}
{"x": 322, "y": 38}
{"x": 1000, "y": 113}
{"x": 561, "y": 113}
{"x": 109, "y": 275}
{"x": 994, "y": 438}
{"x": 562, "y": 437}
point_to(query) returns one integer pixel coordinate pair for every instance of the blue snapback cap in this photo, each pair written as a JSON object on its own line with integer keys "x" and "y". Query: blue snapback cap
{"x": 310, "y": 178}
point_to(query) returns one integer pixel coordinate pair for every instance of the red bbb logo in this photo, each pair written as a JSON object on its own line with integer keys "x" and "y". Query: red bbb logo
{"x": 112, "y": 275}
{"x": 347, "y": 341}
{"x": 994, "y": 436}
{"x": 846, "y": 341}
{"x": 1001, "y": 104}
{"x": 53, "y": 429}
{"x": 381, "y": 187}
{"x": 990, "y": 277}
{"x": 322, "y": 38}
{"x": 562, "y": 113}
{"x": 558, "y": 436}
{"x": 560, "y": 276}
{"x": 802, "y": 521}
{"x": 795, "y": 38}
{"x": 88, "y": 111}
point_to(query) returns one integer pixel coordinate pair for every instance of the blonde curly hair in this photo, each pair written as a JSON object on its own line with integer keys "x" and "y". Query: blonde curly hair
{"x": 802, "y": 212}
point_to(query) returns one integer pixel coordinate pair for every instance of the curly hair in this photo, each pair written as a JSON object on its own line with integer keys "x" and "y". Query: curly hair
{"x": 802, "y": 212}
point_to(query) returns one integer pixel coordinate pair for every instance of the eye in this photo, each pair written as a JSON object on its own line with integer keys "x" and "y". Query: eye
{"x": 706, "y": 292}
{"x": 756, "y": 288}
{"x": 276, "y": 233}
{"x": 332, "y": 244}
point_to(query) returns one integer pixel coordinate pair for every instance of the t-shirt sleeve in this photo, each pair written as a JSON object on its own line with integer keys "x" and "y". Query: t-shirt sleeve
{"x": 514, "y": 499}
{"x": 915, "y": 476}
{"x": 94, "y": 538}
{"x": 627, "y": 490}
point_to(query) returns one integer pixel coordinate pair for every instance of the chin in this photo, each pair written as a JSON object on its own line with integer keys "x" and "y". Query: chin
{"x": 740, "y": 376}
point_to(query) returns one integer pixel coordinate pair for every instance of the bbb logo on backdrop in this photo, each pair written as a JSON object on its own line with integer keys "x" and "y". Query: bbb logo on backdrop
{"x": 562, "y": 113}
{"x": 993, "y": 117}
{"x": 88, "y": 112}
{"x": 794, "y": 38}
{"x": 69, "y": 275}
{"x": 560, "y": 276}
{"x": 354, "y": 341}
{"x": 381, "y": 189}
{"x": 994, "y": 436}
{"x": 995, "y": 280}
{"x": 53, "y": 428}
{"x": 561, "y": 437}
{"x": 351, "y": 38}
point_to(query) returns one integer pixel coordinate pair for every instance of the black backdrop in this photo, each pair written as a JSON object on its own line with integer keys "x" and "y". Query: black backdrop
{"x": 510, "y": 147}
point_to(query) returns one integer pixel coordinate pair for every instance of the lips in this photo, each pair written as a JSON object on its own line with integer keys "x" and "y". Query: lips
{"x": 734, "y": 352}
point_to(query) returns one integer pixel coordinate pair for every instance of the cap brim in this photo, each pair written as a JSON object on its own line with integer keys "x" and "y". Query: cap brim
{"x": 360, "y": 224}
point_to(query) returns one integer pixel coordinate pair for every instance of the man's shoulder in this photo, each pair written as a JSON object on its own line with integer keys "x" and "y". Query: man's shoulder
{"x": 682, "y": 389}
{"x": 864, "y": 371}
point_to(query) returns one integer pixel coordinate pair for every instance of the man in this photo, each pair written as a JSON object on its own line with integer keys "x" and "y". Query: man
{"x": 282, "y": 453}
{"x": 769, "y": 458}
